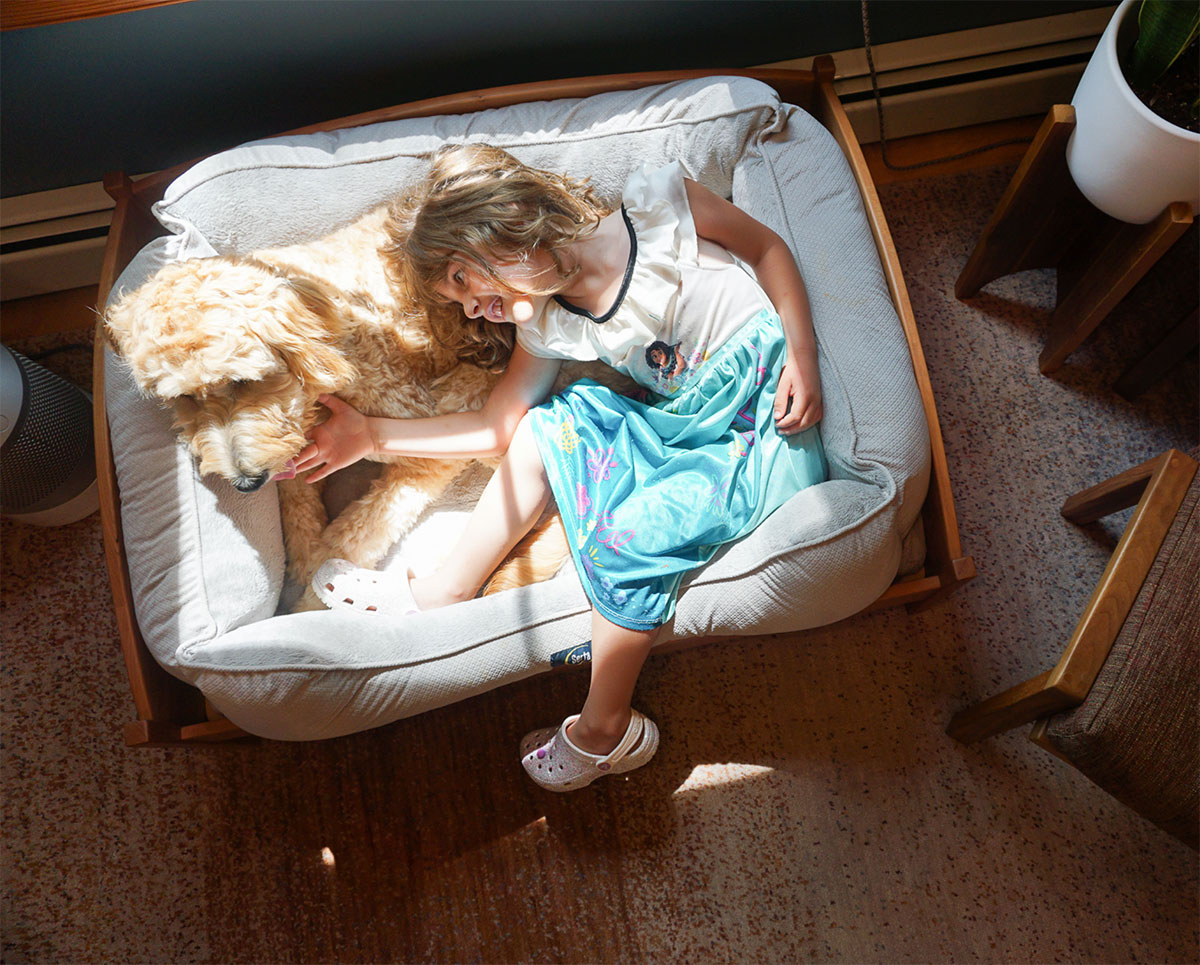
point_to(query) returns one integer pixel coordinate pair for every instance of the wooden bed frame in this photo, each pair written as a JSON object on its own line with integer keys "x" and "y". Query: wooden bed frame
{"x": 170, "y": 711}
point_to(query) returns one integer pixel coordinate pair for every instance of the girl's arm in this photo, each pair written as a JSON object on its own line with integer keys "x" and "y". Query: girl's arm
{"x": 348, "y": 435}
{"x": 728, "y": 226}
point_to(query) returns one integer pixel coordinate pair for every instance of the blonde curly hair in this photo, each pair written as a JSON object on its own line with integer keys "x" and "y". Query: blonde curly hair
{"x": 479, "y": 205}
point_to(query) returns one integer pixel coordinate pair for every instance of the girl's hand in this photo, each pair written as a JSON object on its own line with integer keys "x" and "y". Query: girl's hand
{"x": 344, "y": 439}
{"x": 799, "y": 386}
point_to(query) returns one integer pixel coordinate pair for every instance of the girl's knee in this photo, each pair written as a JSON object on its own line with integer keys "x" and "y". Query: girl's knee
{"x": 523, "y": 453}
{"x": 524, "y": 430}
{"x": 524, "y": 445}
{"x": 605, "y": 630}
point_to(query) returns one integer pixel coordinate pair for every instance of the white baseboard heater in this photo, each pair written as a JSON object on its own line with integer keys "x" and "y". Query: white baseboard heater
{"x": 967, "y": 77}
{"x": 54, "y": 240}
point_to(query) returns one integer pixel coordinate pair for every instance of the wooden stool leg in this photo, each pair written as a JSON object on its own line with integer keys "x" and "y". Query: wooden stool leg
{"x": 1018, "y": 705}
{"x": 1104, "y": 277}
{"x": 1180, "y": 342}
{"x": 1158, "y": 487}
{"x": 1114, "y": 494}
{"x": 1026, "y": 228}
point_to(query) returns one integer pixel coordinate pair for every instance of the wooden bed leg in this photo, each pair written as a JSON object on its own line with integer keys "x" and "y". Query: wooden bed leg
{"x": 211, "y": 732}
{"x": 960, "y": 570}
{"x": 151, "y": 733}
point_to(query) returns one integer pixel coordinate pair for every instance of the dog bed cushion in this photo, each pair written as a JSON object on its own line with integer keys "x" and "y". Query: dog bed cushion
{"x": 206, "y": 563}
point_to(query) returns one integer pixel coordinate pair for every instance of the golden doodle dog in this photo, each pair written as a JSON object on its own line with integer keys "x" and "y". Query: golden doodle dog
{"x": 241, "y": 347}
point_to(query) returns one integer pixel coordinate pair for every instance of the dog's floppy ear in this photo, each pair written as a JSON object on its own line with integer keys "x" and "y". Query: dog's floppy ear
{"x": 119, "y": 321}
{"x": 307, "y": 338}
{"x": 144, "y": 327}
{"x": 185, "y": 328}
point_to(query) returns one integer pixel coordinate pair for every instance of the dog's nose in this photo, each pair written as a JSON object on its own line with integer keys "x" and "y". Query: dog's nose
{"x": 248, "y": 484}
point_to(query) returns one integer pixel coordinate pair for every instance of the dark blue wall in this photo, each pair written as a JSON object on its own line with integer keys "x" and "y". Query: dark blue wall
{"x": 145, "y": 90}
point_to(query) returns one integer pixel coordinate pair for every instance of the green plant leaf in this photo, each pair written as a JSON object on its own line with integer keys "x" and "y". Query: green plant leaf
{"x": 1165, "y": 29}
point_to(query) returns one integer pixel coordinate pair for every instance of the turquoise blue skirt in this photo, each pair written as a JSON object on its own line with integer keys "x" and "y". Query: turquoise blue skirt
{"x": 648, "y": 491}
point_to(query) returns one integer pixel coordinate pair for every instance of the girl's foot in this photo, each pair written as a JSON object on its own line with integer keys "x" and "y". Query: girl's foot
{"x": 553, "y": 761}
{"x": 341, "y": 585}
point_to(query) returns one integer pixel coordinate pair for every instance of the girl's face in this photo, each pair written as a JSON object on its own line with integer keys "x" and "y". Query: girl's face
{"x": 508, "y": 298}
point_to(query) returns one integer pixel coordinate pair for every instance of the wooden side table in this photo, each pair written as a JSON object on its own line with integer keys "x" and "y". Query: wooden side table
{"x": 1121, "y": 703}
{"x": 1158, "y": 487}
{"x": 1043, "y": 221}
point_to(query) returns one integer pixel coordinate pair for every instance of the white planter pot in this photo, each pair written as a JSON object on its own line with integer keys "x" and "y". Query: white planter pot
{"x": 1127, "y": 161}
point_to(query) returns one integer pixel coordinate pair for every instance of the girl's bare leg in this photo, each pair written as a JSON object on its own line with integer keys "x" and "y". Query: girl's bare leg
{"x": 511, "y": 503}
{"x": 617, "y": 657}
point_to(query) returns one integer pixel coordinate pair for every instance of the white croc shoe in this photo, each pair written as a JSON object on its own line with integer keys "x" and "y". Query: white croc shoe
{"x": 341, "y": 585}
{"x": 555, "y": 763}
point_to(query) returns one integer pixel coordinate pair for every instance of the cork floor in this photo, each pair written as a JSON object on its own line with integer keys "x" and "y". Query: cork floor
{"x": 805, "y": 805}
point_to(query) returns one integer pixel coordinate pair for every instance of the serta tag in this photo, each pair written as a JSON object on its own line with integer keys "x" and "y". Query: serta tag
{"x": 580, "y": 653}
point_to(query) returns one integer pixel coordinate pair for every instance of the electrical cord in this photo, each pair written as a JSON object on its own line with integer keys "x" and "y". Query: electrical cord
{"x": 883, "y": 144}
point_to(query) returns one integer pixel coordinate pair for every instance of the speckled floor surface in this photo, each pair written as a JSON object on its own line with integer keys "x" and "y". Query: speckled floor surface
{"x": 806, "y": 804}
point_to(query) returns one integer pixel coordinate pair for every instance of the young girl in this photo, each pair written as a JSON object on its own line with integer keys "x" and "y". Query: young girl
{"x": 648, "y": 491}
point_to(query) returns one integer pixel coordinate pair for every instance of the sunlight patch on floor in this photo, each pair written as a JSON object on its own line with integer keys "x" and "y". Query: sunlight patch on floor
{"x": 706, "y": 776}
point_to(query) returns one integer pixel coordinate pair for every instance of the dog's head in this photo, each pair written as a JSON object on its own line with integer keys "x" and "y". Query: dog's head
{"x": 240, "y": 351}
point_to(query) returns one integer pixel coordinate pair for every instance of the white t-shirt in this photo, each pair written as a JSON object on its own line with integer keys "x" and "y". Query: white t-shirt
{"x": 681, "y": 299}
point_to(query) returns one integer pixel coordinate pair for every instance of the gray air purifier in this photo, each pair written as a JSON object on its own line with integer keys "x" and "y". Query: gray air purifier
{"x": 47, "y": 454}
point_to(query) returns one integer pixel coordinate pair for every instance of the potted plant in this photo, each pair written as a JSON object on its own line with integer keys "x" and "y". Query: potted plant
{"x": 1129, "y": 161}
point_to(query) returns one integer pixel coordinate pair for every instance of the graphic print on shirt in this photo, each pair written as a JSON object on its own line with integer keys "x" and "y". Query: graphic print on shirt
{"x": 672, "y": 366}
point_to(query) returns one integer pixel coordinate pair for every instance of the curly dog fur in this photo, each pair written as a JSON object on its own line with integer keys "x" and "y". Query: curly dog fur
{"x": 241, "y": 347}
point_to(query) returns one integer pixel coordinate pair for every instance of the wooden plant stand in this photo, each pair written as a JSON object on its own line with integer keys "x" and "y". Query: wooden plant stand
{"x": 1043, "y": 221}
